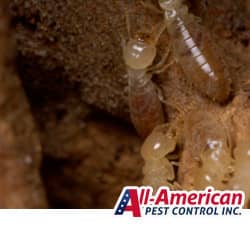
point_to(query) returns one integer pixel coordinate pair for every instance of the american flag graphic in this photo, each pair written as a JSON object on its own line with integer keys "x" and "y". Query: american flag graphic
{"x": 123, "y": 203}
{"x": 129, "y": 202}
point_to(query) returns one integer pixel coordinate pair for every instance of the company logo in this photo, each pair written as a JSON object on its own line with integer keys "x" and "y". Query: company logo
{"x": 140, "y": 201}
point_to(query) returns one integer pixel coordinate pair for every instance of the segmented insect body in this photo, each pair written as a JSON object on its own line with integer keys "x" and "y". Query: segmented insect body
{"x": 158, "y": 170}
{"x": 210, "y": 145}
{"x": 195, "y": 51}
{"x": 145, "y": 107}
{"x": 240, "y": 179}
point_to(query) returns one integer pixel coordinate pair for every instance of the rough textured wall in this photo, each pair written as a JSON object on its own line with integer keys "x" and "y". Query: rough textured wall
{"x": 20, "y": 148}
{"x": 69, "y": 55}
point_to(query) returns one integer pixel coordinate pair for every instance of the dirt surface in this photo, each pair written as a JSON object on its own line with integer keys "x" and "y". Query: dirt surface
{"x": 70, "y": 61}
{"x": 20, "y": 148}
{"x": 106, "y": 158}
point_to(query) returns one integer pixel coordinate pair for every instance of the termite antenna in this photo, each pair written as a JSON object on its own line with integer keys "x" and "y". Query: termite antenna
{"x": 150, "y": 6}
{"x": 128, "y": 23}
{"x": 160, "y": 28}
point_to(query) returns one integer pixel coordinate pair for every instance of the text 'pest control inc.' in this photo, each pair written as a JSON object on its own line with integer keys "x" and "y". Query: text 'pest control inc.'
{"x": 141, "y": 201}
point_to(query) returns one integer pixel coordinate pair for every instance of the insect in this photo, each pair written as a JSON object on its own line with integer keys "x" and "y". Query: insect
{"x": 240, "y": 179}
{"x": 210, "y": 144}
{"x": 139, "y": 52}
{"x": 196, "y": 52}
{"x": 241, "y": 152}
{"x": 158, "y": 170}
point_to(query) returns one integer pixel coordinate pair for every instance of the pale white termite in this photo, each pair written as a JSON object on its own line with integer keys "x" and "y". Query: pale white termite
{"x": 139, "y": 52}
{"x": 158, "y": 170}
{"x": 240, "y": 179}
{"x": 196, "y": 52}
{"x": 210, "y": 144}
{"x": 241, "y": 123}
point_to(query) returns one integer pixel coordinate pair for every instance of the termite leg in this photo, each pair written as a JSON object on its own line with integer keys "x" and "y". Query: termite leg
{"x": 158, "y": 30}
{"x": 161, "y": 66}
{"x": 150, "y": 6}
{"x": 161, "y": 63}
{"x": 156, "y": 33}
{"x": 177, "y": 186}
{"x": 160, "y": 95}
{"x": 161, "y": 70}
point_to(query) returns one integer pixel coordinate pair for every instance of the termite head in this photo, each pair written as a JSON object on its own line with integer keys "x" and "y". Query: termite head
{"x": 166, "y": 4}
{"x": 139, "y": 54}
{"x": 159, "y": 143}
{"x": 170, "y": 4}
{"x": 170, "y": 7}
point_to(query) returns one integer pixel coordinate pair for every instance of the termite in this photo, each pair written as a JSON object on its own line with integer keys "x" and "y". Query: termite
{"x": 195, "y": 51}
{"x": 241, "y": 153}
{"x": 240, "y": 179}
{"x": 139, "y": 52}
{"x": 210, "y": 144}
{"x": 158, "y": 170}
{"x": 159, "y": 150}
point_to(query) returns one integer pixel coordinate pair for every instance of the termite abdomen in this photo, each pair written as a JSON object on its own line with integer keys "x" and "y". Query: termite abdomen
{"x": 197, "y": 53}
{"x": 202, "y": 66}
{"x": 146, "y": 110}
{"x": 139, "y": 53}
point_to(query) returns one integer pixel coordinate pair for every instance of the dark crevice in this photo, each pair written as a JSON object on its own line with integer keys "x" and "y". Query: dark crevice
{"x": 29, "y": 23}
